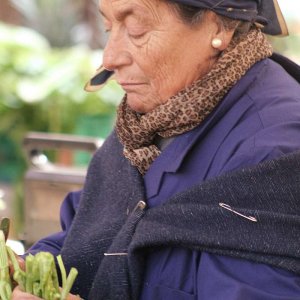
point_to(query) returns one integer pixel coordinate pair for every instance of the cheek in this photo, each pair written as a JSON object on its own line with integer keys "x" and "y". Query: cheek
{"x": 167, "y": 79}
{"x": 159, "y": 66}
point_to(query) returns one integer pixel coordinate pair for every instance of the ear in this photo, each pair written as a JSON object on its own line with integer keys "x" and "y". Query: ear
{"x": 219, "y": 31}
{"x": 225, "y": 36}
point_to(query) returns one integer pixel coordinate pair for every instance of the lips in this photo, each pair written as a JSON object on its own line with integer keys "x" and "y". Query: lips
{"x": 129, "y": 83}
{"x": 128, "y": 86}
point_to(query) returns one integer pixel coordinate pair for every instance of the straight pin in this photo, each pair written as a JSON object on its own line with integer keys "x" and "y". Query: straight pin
{"x": 116, "y": 254}
{"x": 228, "y": 207}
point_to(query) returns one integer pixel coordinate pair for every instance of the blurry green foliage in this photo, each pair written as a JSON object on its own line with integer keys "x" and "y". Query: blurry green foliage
{"x": 41, "y": 89}
{"x": 288, "y": 46}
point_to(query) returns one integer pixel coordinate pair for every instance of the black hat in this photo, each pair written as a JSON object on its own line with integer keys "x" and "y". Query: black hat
{"x": 265, "y": 12}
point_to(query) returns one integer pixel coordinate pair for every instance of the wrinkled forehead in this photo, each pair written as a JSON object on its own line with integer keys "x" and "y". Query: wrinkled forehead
{"x": 123, "y": 8}
{"x": 116, "y": 3}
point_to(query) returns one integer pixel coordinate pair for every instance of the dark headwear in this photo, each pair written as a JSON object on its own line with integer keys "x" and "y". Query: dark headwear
{"x": 264, "y": 12}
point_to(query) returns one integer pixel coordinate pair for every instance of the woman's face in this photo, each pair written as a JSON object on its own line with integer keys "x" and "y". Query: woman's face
{"x": 152, "y": 52}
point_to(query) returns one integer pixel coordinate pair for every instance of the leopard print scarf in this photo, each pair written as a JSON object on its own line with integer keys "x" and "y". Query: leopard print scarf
{"x": 188, "y": 108}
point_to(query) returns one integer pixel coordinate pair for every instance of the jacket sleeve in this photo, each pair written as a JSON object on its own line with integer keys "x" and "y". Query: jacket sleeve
{"x": 54, "y": 242}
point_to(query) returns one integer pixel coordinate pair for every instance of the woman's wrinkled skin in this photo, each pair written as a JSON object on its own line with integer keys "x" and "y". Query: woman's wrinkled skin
{"x": 153, "y": 52}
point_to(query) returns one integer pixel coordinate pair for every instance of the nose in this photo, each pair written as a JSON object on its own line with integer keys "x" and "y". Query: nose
{"x": 116, "y": 53}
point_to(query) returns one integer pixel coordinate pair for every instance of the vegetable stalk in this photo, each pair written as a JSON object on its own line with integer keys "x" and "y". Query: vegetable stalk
{"x": 39, "y": 279}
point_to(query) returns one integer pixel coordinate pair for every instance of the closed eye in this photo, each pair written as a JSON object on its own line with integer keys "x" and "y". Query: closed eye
{"x": 136, "y": 32}
{"x": 136, "y": 35}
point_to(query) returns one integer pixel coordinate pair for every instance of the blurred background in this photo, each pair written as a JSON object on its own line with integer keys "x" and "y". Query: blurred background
{"x": 48, "y": 50}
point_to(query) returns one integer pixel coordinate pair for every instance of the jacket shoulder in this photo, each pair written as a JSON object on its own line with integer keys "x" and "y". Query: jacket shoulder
{"x": 272, "y": 83}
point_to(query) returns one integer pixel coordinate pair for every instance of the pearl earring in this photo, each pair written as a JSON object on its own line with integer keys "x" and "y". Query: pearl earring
{"x": 216, "y": 43}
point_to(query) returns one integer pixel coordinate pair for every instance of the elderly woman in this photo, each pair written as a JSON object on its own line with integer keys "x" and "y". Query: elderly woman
{"x": 178, "y": 203}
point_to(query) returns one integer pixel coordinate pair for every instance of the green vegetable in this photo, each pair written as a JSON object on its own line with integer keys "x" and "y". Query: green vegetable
{"x": 5, "y": 282}
{"x": 62, "y": 270}
{"x": 5, "y": 290}
{"x": 70, "y": 280}
{"x": 39, "y": 279}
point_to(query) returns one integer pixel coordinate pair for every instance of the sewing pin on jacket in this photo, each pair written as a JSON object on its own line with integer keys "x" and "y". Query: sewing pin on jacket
{"x": 228, "y": 207}
{"x": 116, "y": 254}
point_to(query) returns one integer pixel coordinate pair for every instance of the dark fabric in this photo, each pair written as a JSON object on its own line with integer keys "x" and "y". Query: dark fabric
{"x": 107, "y": 222}
{"x": 204, "y": 154}
{"x": 100, "y": 220}
{"x": 260, "y": 11}
{"x": 267, "y": 11}
{"x": 291, "y": 67}
{"x": 246, "y": 10}
{"x": 269, "y": 192}
{"x": 193, "y": 219}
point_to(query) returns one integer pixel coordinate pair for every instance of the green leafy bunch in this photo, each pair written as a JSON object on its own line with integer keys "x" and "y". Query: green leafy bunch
{"x": 39, "y": 279}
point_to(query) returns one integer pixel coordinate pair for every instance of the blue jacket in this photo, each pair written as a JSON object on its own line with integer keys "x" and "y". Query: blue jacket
{"x": 258, "y": 120}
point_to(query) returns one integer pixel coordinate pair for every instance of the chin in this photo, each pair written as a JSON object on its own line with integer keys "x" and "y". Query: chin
{"x": 142, "y": 104}
{"x": 137, "y": 105}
